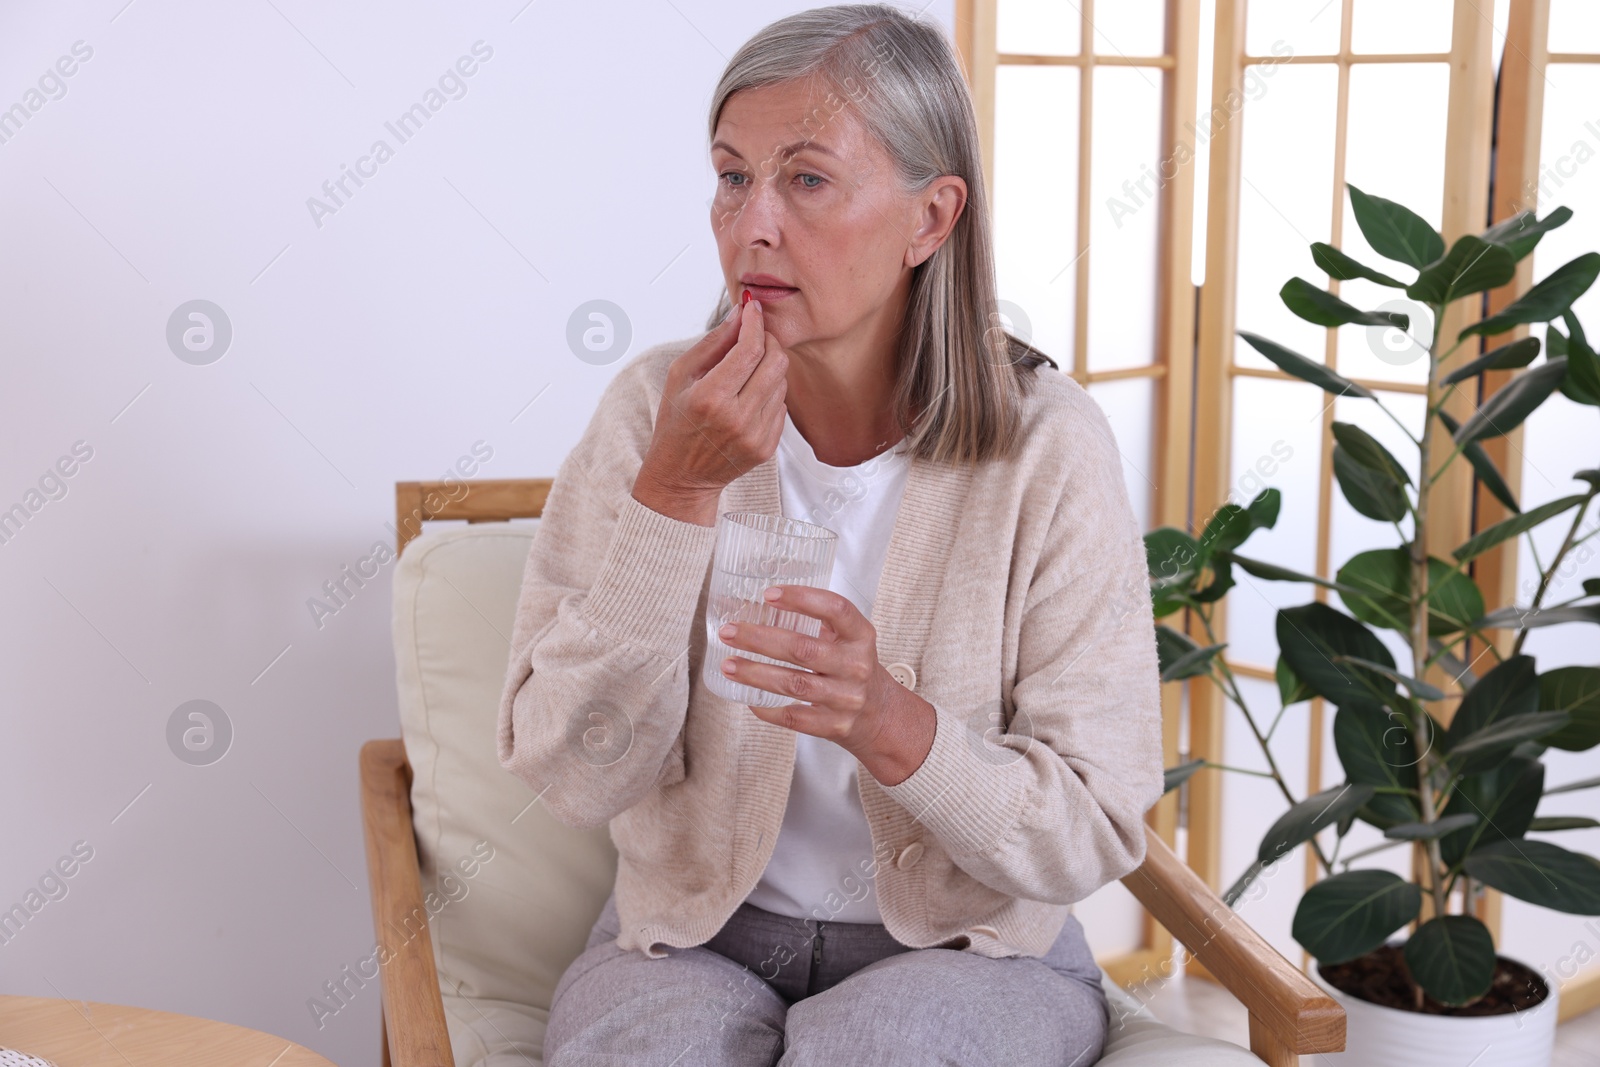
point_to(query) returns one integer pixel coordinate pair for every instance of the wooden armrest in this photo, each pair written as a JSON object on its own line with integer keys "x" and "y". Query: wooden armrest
{"x": 413, "y": 1010}
{"x": 1290, "y": 1015}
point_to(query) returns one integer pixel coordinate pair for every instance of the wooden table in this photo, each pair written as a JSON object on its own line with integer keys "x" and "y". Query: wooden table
{"x": 82, "y": 1033}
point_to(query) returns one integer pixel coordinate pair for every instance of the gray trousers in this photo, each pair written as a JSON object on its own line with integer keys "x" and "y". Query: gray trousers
{"x": 771, "y": 990}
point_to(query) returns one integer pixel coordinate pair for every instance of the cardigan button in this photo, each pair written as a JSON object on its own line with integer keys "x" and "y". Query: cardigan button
{"x": 909, "y": 856}
{"x": 903, "y": 674}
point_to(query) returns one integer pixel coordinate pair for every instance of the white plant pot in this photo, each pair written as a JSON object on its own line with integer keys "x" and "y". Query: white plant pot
{"x": 1376, "y": 1036}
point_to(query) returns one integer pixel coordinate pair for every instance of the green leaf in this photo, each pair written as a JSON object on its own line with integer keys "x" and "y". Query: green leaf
{"x": 1521, "y": 232}
{"x": 1376, "y": 748}
{"x": 1305, "y": 369}
{"x": 1367, "y": 451}
{"x": 1303, "y": 821}
{"x": 1471, "y": 266}
{"x": 1482, "y": 465}
{"x": 1291, "y": 690}
{"x": 1173, "y": 558}
{"x": 1371, "y": 493}
{"x": 1309, "y": 636}
{"x": 1516, "y": 618}
{"x": 1264, "y": 509}
{"x": 1510, "y": 689}
{"x": 1382, "y": 578}
{"x": 1325, "y": 309}
{"x": 1417, "y": 688}
{"x": 1545, "y": 824}
{"x": 1339, "y": 266}
{"x": 1492, "y": 745}
{"x": 1513, "y": 402}
{"x": 1503, "y": 798}
{"x": 1350, "y": 914}
{"x": 1516, "y": 524}
{"x": 1231, "y": 525}
{"x": 1452, "y": 958}
{"x": 1221, "y": 568}
{"x": 1516, "y": 354}
{"x": 1576, "y": 691}
{"x": 1545, "y": 301}
{"x": 1173, "y": 777}
{"x": 1582, "y": 383}
{"x": 1395, "y": 232}
{"x": 1426, "y": 831}
{"x": 1180, "y": 657}
{"x": 1539, "y": 873}
{"x": 1274, "y": 573}
{"x": 1572, "y": 787}
{"x": 1591, "y": 587}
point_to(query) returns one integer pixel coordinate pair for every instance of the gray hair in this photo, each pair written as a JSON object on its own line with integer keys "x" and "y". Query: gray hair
{"x": 961, "y": 375}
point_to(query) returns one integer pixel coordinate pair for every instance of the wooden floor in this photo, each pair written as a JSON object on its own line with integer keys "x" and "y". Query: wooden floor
{"x": 1200, "y": 1007}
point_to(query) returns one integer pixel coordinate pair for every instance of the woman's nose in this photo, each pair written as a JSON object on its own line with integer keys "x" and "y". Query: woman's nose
{"x": 758, "y": 215}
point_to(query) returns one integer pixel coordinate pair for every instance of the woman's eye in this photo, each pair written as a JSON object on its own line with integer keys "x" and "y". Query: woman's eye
{"x": 725, "y": 175}
{"x": 819, "y": 181}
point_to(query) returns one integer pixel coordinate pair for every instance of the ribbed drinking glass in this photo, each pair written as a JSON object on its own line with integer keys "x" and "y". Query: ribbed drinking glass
{"x": 755, "y": 551}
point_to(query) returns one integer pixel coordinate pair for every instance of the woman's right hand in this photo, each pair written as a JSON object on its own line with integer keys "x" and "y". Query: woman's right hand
{"x": 721, "y": 415}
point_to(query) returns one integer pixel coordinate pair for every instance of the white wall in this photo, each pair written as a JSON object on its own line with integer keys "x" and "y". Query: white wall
{"x": 415, "y": 325}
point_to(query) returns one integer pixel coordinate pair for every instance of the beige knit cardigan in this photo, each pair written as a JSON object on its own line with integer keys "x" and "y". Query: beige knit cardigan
{"x": 1014, "y": 599}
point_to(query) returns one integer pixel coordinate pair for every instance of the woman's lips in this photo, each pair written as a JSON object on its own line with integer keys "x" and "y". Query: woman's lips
{"x": 768, "y": 293}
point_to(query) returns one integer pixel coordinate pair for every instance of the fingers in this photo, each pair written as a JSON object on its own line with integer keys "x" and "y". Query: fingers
{"x": 823, "y": 693}
{"x": 813, "y": 653}
{"x": 836, "y": 611}
{"x": 769, "y": 376}
{"x": 712, "y": 348}
{"x": 734, "y": 370}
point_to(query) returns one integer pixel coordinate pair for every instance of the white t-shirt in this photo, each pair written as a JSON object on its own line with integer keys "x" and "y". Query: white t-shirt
{"x": 821, "y": 865}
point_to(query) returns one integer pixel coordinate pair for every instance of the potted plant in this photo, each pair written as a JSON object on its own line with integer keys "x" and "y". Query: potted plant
{"x": 1461, "y": 788}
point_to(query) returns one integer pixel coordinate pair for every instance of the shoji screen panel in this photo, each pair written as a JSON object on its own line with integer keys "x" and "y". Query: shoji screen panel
{"x": 1082, "y": 109}
{"x": 1308, "y": 95}
{"x": 1550, "y": 108}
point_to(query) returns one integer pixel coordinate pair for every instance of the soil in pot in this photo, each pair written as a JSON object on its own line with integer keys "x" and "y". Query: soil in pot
{"x": 1380, "y": 977}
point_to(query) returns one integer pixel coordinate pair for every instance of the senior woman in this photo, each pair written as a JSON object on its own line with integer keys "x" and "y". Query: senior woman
{"x": 881, "y": 871}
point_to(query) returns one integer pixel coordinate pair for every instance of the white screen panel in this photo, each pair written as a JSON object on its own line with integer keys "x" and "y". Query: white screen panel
{"x": 1277, "y": 432}
{"x": 1306, "y": 27}
{"x": 1285, "y": 200}
{"x": 1036, "y": 27}
{"x": 1036, "y": 202}
{"x": 1250, "y": 805}
{"x": 1397, "y": 154}
{"x": 1130, "y": 27}
{"x": 1129, "y": 405}
{"x": 1124, "y": 217}
{"x": 1574, "y": 26}
{"x": 1393, "y": 26}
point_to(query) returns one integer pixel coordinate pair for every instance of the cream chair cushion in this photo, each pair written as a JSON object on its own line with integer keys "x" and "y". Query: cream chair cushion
{"x": 514, "y": 892}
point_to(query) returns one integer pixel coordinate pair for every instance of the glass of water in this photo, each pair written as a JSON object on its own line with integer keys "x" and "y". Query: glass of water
{"x": 754, "y": 552}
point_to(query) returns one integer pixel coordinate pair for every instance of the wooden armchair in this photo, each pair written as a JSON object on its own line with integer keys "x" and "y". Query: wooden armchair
{"x": 425, "y": 795}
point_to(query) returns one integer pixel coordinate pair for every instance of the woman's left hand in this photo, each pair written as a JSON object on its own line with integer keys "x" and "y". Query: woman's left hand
{"x": 855, "y": 702}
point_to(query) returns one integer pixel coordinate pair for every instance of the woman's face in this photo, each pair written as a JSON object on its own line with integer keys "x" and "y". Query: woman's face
{"x": 806, "y": 195}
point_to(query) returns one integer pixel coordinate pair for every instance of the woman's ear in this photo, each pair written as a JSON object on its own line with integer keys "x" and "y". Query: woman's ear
{"x": 940, "y": 207}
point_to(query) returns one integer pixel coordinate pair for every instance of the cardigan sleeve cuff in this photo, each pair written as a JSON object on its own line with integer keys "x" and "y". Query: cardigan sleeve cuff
{"x": 649, "y": 583}
{"x": 967, "y": 791}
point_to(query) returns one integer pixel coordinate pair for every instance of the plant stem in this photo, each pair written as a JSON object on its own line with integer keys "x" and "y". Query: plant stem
{"x": 1231, "y": 690}
{"x": 1383, "y": 846}
{"x": 1238, "y": 770}
{"x": 1544, "y": 578}
{"x": 1419, "y": 609}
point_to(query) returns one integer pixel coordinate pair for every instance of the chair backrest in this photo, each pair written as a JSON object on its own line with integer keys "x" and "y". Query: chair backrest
{"x": 511, "y": 892}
